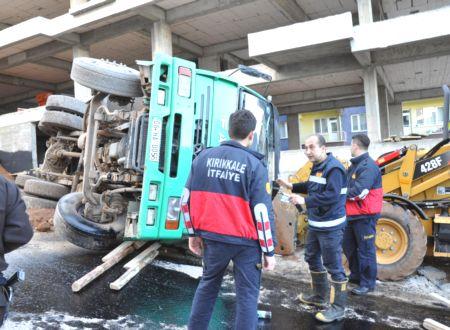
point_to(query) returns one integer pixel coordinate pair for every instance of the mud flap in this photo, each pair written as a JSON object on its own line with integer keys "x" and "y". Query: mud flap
{"x": 285, "y": 225}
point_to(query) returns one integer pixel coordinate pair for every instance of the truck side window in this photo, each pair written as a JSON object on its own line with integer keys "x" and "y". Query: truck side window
{"x": 259, "y": 109}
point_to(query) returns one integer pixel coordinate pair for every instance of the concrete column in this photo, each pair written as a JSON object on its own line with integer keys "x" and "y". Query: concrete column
{"x": 293, "y": 132}
{"x": 395, "y": 119}
{"x": 372, "y": 104}
{"x": 384, "y": 112}
{"x": 161, "y": 38}
{"x": 211, "y": 63}
{"x": 82, "y": 93}
{"x": 365, "y": 15}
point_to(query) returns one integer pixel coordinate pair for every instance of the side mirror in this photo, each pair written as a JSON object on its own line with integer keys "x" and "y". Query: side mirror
{"x": 254, "y": 72}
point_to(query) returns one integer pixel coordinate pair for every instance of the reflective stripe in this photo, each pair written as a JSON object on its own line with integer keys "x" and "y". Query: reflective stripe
{"x": 317, "y": 179}
{"x": 363, "y": 194}
{"x": 344, "y": 191}
{"x": 326, "y": 224}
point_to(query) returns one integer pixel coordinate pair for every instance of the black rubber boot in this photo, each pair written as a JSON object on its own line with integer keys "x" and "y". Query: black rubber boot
{"x": 338, "y": 301}
{"x": 319, "y": 284}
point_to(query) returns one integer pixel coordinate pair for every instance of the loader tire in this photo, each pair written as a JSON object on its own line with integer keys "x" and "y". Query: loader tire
{"x": 54, "y": 121}
{"x": 401, "y": 243}
{"x": 107, "y": 77}
{"x": 71, "y": 225}
{"x": 22, "y": 178}
{"x": 33, "y": 202}
{"x": 45, "y": 189}
{"x": 67, "y": 104}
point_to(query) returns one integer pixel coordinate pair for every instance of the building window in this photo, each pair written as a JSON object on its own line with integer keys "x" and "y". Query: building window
{"x": 283, "y": 130}
{"x": 406, "y": 119}
{"x": 358, "y": 122}
{"x": 419, "y": 115}
{"x": 321, "y": 126}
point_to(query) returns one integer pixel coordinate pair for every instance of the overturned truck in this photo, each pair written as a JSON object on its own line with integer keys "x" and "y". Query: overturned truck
{"x": 141, "y": 131}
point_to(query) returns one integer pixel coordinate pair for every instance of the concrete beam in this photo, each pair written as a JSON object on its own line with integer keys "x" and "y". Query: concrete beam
{"x": 201, "y": 8}
{"x": 69, "y": 38}
{"x": 34, "y": 54}
{"x": 226, "y": 47}
{"x": 67, "y": 23}
{"x": 291, "y": 10}
{"x": 350, "y": 102}
{"x": 20, "y": 97}
{"x": 418, "y": 94}
{"x": 54, "y": 62}
{"x": 86, "y": 39}
{"x": 186, "y": 45}
{"x": 32, "y": 93}
{"x": 411, "y": 52}
{"x": 23, "y": 82}
{"x": 317, "y": 67}
{"x": 401, "y": 30}
{"x": 318, "y": 95}
{"x": 327, "y": 30}
{"x": 114, "y": 29}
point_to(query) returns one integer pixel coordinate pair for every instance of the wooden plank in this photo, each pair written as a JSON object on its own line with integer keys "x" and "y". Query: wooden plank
{"x": 132, "y": 272}
{"x": 117, "y": 250}
{"x": 444, "y": 301}
{"x": 136, "y": 244}
{"x": 99, "y": 270}
{"x": 133, "y": 262}
{"x": 431, "y": 324}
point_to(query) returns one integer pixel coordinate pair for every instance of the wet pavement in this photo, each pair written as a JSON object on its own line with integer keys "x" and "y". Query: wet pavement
{"x": 161, "y": 299}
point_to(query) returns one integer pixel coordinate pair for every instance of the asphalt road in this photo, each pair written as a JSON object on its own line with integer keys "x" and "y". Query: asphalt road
{"x": 156, "y": 299}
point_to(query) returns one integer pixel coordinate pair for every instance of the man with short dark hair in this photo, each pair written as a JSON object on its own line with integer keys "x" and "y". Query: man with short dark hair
{"x": 364, "y": 203}
{"x": 325, "y": 204}
{"x": 228, "y": 212}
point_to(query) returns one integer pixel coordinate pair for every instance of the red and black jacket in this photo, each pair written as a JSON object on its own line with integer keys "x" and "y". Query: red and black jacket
{"x": 228, "y": 197}
{"x": 365, "y": 191}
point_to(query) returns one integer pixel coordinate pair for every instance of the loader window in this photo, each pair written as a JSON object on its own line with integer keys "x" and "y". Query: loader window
{"x": 261, "y": 111}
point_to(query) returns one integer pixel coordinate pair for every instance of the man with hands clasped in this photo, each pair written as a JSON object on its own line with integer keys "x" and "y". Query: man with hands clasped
{"x": 325, "y": 203}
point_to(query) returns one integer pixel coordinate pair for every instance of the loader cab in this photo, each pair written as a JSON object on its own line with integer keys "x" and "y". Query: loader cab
{"x": 188, "y": 111}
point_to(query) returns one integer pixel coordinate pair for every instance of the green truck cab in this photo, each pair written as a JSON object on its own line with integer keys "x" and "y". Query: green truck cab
{"x": 153, "y": 136}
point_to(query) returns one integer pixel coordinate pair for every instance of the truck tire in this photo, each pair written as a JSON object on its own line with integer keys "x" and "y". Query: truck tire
{"x": 33, "y": 202}
{"x": 54, "y": 121}
{"x": 401, "y": 243}
{"x": 107, "y": 77}
{"x": 71, "y": 225}
{"x": 45, "y": 189}
{"x": 22, "y": 178}
{"x": 66, "y": 104}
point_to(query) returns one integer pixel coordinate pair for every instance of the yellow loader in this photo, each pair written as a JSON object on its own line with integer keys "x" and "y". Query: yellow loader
{"x": 414, "y": 220}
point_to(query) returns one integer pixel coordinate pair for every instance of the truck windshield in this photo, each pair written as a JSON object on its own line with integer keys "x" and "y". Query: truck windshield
{"x": 260, "y": 110}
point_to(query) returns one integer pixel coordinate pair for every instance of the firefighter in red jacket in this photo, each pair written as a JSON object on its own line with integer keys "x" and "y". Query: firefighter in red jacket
{"x": 228, "y": 213}
{"x": 363, "y": 207}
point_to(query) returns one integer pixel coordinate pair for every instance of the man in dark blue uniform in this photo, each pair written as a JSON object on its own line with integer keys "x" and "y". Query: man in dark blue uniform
{"x": 228, "y": 212}
{"x": 364, "y": 203}
{"x": 15, "y": 231}
{"x": 325, "y": 204}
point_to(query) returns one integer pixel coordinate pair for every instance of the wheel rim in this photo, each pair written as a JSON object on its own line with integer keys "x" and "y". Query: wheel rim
{"x": 391, "y": 241}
